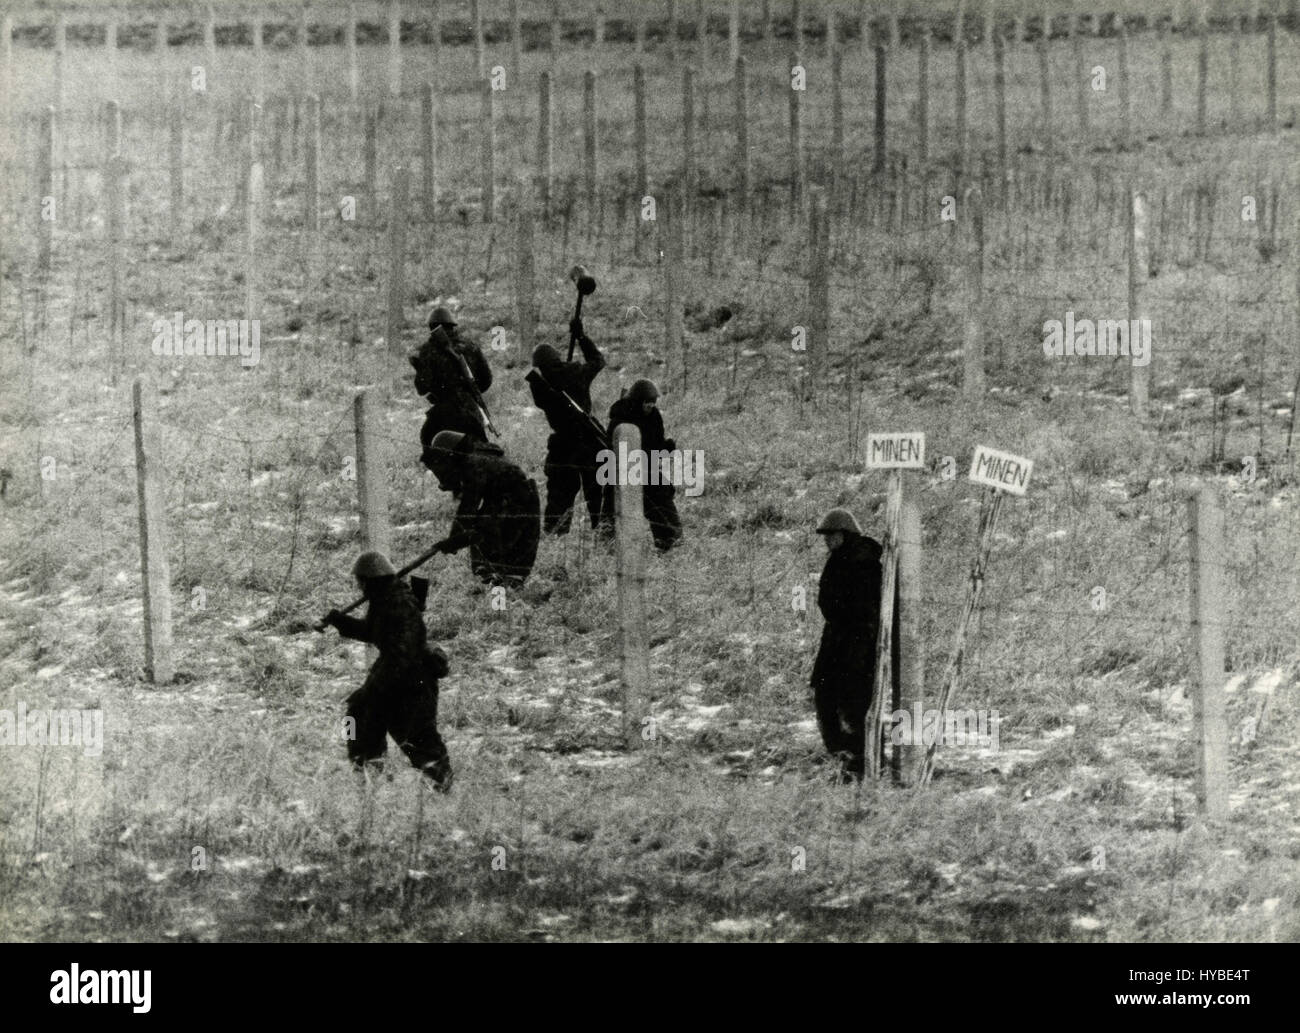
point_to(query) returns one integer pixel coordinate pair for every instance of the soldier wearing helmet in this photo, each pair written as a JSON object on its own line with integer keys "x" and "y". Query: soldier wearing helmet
{"x": 448, "y": 370}
{"x": 499, "y": 512}
{"x": 843, "y": 675}
{"x": 400, "y": 694}
{"x": 640, "y": 407}
{"x": 571, "y": 449}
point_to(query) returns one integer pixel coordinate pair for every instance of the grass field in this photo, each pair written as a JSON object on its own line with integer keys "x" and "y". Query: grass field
{"x": 1082, "y": 826}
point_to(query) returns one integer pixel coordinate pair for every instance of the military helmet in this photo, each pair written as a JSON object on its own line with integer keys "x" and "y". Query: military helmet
{"x": 643, "y": 391}
{"x": 838, "y": 520}
{"x": 441, "y": 316}
{"x": 545, "y": 355}
{"x": 447, "y": 441}
{"x": 372, "y": 564}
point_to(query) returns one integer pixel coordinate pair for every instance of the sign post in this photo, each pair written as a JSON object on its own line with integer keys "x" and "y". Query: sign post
{"x": 1001, "y": 473}
{"x": 893, "y": 452}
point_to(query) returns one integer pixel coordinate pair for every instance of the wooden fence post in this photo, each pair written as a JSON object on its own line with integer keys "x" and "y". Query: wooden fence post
{"x": 372, "y": 481}
{"x": 837, "y": 113}
{"x": 480, "y": 54}
{"x": 60, "y": 58}
{"x": 1271, "y": 72}
{"x": 155, "y": 573}
{"x": 972, "y": 218}
{"x": 1081, "y": 76}
{"x": 7, "y": 108}
{"x": 176, "y": 169}
{"x": 1000, "y": 111}
{"x": 45, "y": 184}
{"x": 115, "y": 189}
{"x": 590, "y": 154}
{"x": 311, "y": 166}
{"x": 312, "y": 189}
{"x": 963, "y": 134}
{"x": 688, "y": 131}
{"x": 525, "y": 280}
{"x": 429, "y": 151}
{"x": 672, "y": 217}
{"x": 488, "y": 135}
{"x": 1202, "y": 72}
{"x": 435, "y": 39}
{"x": 259, "y": 58}
{"x": 210, "y": 43}
{"x": 516, "y": 46}
{"x": 350, "y": 46}
{"x": 252, "y": 205}
{"x": 923, "y": 98}
{"x": 796, "y": 134}
{"x": 1234, "y": 74}
{"x": 1138, "y": 268}
{"x": 110, "y": 53}
{"x": 911, "y": 641}
{"x": 741, "y": 87}
{"x": 398, "y": 213}
{"x": 1166, "y": 68}
{"x": 394, "y": 48}
{"x": 1207, "y": 604}
{"x": 881, "y": 153}
{"x": 545, "y": 142}
{"x": 883, "y": 680}
{"x": 1045, "y": 80}
{"x": 819, "y": 287}
{"x": 639, "y": 131}
{"x": 632, "y": 533}
{"x": 371, "y": 161}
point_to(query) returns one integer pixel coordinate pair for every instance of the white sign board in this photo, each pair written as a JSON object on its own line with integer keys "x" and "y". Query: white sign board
{"x": 1000, "y": 470}
{"x": 896, "y": 451}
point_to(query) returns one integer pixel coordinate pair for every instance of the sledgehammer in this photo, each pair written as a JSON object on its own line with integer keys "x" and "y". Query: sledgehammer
{"x": 586, "y": 284}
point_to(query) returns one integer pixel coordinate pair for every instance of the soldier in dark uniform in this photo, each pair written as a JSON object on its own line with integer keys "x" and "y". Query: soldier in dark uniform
{"x": 400, "y": 694}
{"x": 571, "y": 449}
{"x": 452, "y": 373}
{"x": 498, "y": 516}
{"x": 843, "y": 676}
{"x": 640, "y": 407}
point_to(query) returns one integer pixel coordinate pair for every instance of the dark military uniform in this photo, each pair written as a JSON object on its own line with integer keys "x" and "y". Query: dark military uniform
{"x": 848, "y": 595}
{"x": 498, "y": 517}
{"x": 400, "y": 694}
{"x": 571, "y": 449}
{"x": 656, "y": 499}
{"x": 441, "y": 375}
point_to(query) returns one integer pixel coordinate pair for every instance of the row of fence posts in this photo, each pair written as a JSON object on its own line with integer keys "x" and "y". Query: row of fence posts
{"x": 1082, "y": 77}
{"x": 903, "y": 564}
{"x": 671, "y": 213}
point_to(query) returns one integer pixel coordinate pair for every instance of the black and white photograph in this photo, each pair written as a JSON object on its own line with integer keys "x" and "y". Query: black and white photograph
{"x": 600, "y": 471}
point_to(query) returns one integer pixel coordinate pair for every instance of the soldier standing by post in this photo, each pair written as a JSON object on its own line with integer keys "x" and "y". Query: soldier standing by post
{"x": 562, "y": 390}
{"x": 400, "y": 694}
{"x": 843, "y": 675}
{"x": 640, "y": 407}
{"x": 452, "y": 373}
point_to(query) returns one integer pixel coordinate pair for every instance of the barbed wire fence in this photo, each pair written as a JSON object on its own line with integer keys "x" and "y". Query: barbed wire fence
{"x": 1049, "y": 229}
